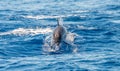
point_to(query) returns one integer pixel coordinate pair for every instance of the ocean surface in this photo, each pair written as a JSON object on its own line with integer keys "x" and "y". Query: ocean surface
{"x": 26, "y": 27}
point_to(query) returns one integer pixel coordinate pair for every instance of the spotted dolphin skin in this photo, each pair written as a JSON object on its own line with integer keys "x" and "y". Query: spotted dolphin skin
{"x": 59, "y": 34}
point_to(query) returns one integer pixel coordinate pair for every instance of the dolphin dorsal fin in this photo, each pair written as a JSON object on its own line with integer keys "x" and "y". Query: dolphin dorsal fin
{"x": 59, "y": 21}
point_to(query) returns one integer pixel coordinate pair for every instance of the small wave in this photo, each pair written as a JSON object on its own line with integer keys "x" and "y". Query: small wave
{"x": 41, "y": 17}
{"x": 23, "y": 31}
{"x": 116, "y": 21}
{"x": 86, "y": 28}
{"x": 50, "y": 17}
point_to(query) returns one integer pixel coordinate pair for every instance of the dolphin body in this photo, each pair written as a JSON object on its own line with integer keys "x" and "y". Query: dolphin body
{"x": 59, "y": 35}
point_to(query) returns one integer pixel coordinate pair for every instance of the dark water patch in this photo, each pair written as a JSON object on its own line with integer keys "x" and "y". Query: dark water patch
{"x": 91, "y": 49}
{"x": 111, "y": 26}
{"x": 20, "y": 66}
{"x": 4, "y": 17}
{"x": 14, "y": 63}
{"x": 22, "y": 52}
{"x": 109, "y": 33}
{"x": 50, "y": 20}
{"x": 5, "y": 29}
{"x": 100, "y": 17}
{"x": 32, "y": 23}
{"x": 2, "y": 67}
{"x": 22, "y": 13}
{"x": 88, "y": 61}
{"x": 14, "y": 49}
{"x": 5, "y": 26}
{"x": 3, "y": 53}
{"x": 43, "y": 12}
{"x": 37, "y": 41}
{"x": 75, "y": 18}
{"x": 93, "y": 30}
{"x": 15, "y": 17}
{"x": 6, "y": 11}
{"x": 87, "y": 31}
{"x": 102, "y": 41}
{"x": 109, "y": 64}
{"x": 71, "y": 68}
{"x": 113, "y": 7}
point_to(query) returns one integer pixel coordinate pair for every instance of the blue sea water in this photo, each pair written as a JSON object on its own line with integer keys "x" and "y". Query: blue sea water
{"x": 25, "y": 24}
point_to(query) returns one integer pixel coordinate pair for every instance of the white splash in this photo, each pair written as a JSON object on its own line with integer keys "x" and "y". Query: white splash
{"x": 50, "y": 17}
{"x": 23, "y": 31}
{"x": 41, "y": 17}
{"x": 70, "y": 38}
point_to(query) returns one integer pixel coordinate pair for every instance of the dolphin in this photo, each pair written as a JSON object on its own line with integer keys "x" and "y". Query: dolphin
{"x": 59, "y": 34}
